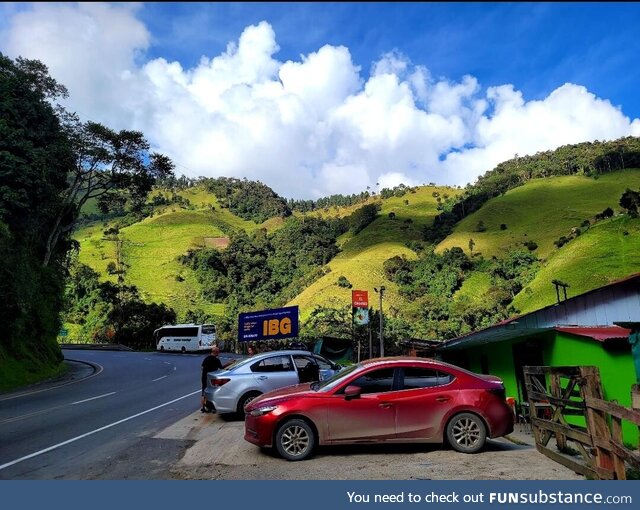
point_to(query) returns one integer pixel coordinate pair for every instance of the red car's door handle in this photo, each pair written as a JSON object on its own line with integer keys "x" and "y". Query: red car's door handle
{"x": 385, "y": 405}
{"x": 443, "y": 399}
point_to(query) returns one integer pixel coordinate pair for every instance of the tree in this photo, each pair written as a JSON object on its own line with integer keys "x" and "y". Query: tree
{"x": 630, "y": 200}
{"x": 34, "y": 151}
{"x": 110, "y": 166}
{"x": 471, "y": 245}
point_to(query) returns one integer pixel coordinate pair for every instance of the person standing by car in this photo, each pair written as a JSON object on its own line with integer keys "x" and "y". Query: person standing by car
{"x": 210, "y": 364}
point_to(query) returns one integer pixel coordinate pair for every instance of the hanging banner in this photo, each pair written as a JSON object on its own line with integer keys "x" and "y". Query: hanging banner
{"x": 360, "y": 299}
{"x": 360, "y": 307}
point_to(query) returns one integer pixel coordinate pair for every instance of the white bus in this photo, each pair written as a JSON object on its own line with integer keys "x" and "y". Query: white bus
{"x": 185, "y": 337}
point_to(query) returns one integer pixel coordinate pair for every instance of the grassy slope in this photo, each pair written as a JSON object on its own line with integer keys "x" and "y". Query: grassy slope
{"x": 544, "y": 209}
{"x": 362, "y": 256}
{"x": 601, "y": 255}
{"x": 474, "y": 287}
{"x": 541, "y": 211}
{"x": 151, "y": 248}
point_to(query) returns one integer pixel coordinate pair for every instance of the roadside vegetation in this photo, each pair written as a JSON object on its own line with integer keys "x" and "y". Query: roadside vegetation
{"x": 52, "y": 165}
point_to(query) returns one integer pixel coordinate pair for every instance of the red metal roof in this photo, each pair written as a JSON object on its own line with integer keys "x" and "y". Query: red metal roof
{"x": 599, "y": 333}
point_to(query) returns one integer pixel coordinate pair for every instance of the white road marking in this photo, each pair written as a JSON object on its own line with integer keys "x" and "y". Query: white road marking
{"x": 82, "y": 436}
{"x": 92, "y": 398}
{"x": 45, "y": 411}
{"x": 159, "y": 378}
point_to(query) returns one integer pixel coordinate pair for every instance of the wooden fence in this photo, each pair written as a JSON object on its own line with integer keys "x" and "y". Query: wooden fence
{"x": 560, "y": 395}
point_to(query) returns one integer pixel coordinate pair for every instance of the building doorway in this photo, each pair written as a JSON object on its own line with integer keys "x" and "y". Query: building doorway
{"x": 526, "y": 354}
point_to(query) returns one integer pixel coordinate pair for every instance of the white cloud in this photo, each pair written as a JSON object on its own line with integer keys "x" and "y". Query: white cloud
{"x": 308, "y": 128}
{"x": 91, "y": 48}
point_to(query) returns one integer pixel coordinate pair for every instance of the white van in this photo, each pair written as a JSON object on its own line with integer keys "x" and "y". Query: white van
{"x": 185, "y": 337}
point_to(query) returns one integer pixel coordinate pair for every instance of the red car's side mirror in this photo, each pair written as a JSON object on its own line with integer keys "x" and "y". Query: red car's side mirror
{"x": 352, "y": 391}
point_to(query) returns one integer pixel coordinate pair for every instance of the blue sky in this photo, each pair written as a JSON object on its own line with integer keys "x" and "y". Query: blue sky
{"x": 536, "y": 46}
{"x": 322, "y": 98}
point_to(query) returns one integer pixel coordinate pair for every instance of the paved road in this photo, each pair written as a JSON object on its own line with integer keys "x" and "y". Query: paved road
{"x": 101, "y": 427}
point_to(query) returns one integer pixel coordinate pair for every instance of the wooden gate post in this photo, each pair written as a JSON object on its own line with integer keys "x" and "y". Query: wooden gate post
{"x": 597, "y": 422}
{"x": 556, "y": 391}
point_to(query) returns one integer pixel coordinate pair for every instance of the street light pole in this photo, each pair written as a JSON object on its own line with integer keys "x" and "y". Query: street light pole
{"x": 381, "y": 292}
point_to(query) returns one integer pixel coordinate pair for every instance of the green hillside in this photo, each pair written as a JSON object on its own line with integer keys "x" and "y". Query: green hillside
{"x": 362, "y": 255}
{"x": 607, "y": 252}
{"x": 541, "y": 211}
{"x": 150, "y": 249}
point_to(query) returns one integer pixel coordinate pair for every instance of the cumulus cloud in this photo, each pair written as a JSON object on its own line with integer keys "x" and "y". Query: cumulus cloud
{"x": 307, "y": 128}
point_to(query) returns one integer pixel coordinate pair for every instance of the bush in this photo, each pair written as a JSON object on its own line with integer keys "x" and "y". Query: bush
{"x": 607, "y": 213}
{"x": 531, "y": 245}
{"x": 503, "y": 226}
{"x": 343, "y": 282}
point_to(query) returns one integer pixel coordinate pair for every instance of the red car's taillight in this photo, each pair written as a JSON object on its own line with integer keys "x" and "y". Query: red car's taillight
{"x": 219, "y": 382}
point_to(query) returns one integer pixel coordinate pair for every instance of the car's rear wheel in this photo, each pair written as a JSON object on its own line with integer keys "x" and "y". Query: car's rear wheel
{"x": 183, "y": 350}
{"x": 466, "y": 433}
{"x": 245, "y": 399}
{"x": 295, "y": 440}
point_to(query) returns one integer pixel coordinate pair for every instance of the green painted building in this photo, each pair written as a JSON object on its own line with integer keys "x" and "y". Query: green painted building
{"x": 580, "y": 330}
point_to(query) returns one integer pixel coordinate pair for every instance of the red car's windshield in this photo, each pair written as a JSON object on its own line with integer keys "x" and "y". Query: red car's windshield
{"x": 335, "y": 379}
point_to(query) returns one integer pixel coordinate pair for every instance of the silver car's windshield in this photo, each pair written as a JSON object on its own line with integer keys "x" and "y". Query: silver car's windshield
{"x": 334, "y": 380}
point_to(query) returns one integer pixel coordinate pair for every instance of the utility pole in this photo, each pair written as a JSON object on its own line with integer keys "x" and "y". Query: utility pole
{"x": 564, "y": 286}
{"x": 381, "y": 292}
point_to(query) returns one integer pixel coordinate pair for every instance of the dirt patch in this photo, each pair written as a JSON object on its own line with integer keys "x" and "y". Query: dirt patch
{"x": 221, "y": 453}
{"x": 216, "y": 242}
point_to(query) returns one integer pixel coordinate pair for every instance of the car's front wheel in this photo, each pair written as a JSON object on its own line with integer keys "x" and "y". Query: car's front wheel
{"x": 466, "y": 433}
{"x": 295, "y": 440}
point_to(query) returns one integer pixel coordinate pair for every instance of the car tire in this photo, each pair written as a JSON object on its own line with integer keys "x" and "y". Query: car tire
{"x": 244, "y": 400}
{"x": 295, "y": 440}
{"x": 183, "y": 350}
{"x": 162, "y": 348}
{"x": 466, "y": 433}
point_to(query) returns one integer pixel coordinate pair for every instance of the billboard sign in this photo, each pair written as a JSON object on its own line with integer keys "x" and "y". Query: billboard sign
{"x": 275, "y": 324}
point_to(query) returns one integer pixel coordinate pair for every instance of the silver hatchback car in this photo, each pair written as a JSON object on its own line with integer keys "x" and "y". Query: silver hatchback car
{"x": 230, "y": 389}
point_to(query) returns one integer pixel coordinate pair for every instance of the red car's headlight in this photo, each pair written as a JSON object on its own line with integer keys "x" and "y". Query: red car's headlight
{"x": 262, "y": 410}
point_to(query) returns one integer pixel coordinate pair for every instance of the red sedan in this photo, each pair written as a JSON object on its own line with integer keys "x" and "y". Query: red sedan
{"x": 384, "y": 400}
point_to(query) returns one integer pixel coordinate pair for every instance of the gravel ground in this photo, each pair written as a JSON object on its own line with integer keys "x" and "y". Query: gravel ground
{"x": 219, "y": 452}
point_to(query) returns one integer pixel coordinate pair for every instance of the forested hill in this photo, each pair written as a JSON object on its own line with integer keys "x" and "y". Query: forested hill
{"x": 589, "y": 159}
{"x": 212, "y": 248}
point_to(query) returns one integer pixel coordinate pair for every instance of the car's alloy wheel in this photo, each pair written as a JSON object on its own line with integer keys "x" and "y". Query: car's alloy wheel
{"x": 245, "y": 400}
{"x": 295, "y": 440}
{"x": 466, "y": 433}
